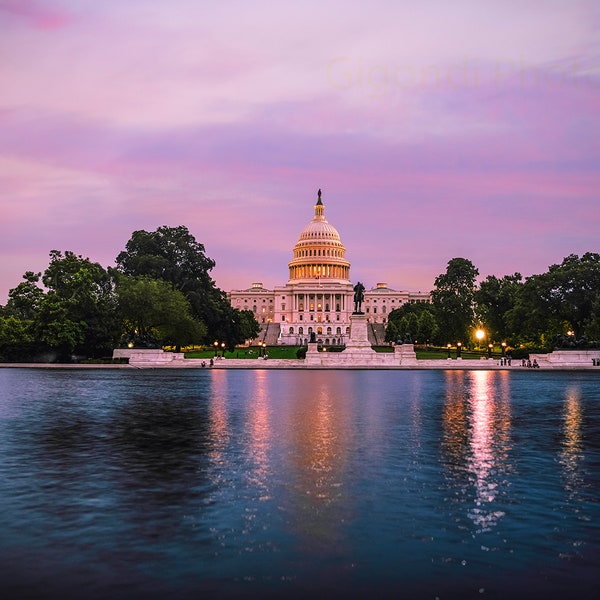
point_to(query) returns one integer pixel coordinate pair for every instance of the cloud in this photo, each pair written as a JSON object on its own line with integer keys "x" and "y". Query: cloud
{"x": 434, "y": 130}
{"x": 36, "y": 14}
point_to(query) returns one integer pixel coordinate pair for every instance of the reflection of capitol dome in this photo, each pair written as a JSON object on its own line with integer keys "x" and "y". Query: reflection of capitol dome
{"x": 319, "y": 252}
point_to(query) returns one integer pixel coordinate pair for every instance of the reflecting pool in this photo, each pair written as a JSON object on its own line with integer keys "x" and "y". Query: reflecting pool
{"x": 299, "y": 484}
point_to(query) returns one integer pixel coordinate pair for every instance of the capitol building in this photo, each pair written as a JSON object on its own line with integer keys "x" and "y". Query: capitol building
{"x": 319, "y": 296}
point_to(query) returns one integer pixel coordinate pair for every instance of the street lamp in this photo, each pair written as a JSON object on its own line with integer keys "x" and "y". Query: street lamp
{"x": 490, "y": 348}
{"x": 223, "y": 349}
{"x": 458, "y": 349}
{"x": 216, "y": 348}
{"x": 449, "y": 347}
{"x": 479, "y": 334}
{"x": 503, "y": 348}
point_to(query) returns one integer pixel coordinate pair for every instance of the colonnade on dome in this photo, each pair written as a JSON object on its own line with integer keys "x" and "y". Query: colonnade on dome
{"x": 316, "y": 271}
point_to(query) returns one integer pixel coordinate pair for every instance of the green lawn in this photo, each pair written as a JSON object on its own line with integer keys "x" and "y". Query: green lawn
{"x": 290, "y": 352}
{"x": 443, "y": 354}
{"x": 253, "y": 352}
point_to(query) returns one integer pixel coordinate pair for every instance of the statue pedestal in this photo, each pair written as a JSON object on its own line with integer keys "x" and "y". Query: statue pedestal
{"x": 406, "y": 355}
{"x": 313, "y": 356}
{"x": 358, "y": 348}
{"x": 358, "y": 353}
{"x": 359, "y": 337}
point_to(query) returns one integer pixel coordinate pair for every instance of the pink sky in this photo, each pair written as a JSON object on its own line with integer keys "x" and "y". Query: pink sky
{"x": 435, "y": 130}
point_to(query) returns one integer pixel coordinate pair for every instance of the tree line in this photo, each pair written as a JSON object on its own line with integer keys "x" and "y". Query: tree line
{"x": 160, "y": 293}
{"x": 558, "y": 308}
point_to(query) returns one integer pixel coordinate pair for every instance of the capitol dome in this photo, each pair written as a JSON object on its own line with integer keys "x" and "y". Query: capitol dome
{"x": 319, "y": 252}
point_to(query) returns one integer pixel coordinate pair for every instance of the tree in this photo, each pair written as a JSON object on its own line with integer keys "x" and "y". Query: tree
{"x": 154, "y": 314}
{"x": 402, "y": 327}
{"x": 494, "y": 300}
{"x": 407, "y": 319}
{"x": 78, "y": 312}
{"x": 233, "y": 326}
{"x": 15, "y": 338}
{"x": 172, "y": 254}
{"x": 427, "y": 327}
{"x": 592, "y": 324}
{"x": 24, "y": 300}
{"x": 55, "y": 326}
{"x": 409, "y": 308}
{"x": 565, "y": 298}
{"x": 572, "y": 288}
{"x": 412, "y": 325}
{"x": 453, "y": 299}
{"x": 249, "y": 326}
{"x": 391, "y": 331}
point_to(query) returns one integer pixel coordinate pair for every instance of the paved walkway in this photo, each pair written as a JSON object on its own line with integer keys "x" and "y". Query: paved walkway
{"x": 258, "y": 363}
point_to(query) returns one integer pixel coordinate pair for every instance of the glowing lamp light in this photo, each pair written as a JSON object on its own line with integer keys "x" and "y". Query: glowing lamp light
{"x": 480, "y": 334}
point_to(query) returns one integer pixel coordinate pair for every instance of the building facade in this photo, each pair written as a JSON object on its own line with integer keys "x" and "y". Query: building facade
{"x": 319, "y": 296}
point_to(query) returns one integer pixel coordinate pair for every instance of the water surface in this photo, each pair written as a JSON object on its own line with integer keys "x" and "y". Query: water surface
{"x": 222, "y": 484}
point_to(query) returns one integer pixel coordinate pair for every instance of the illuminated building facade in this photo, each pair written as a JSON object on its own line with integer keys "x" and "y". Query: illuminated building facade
{"x": 319, "y": 296}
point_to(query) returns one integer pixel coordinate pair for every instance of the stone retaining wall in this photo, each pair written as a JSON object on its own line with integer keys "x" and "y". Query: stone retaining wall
{"x": 403, "y": 357}
{"x": 567, "y": 358}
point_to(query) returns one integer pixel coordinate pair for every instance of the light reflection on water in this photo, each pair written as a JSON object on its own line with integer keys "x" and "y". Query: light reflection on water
{"x": 572, "y": 451}
{"x": 477, "y": 426}
{"x": 150, "y": 484}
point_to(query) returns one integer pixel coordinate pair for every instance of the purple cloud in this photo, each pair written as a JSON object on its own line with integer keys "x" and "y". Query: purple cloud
{"x": 444, "y": 142}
